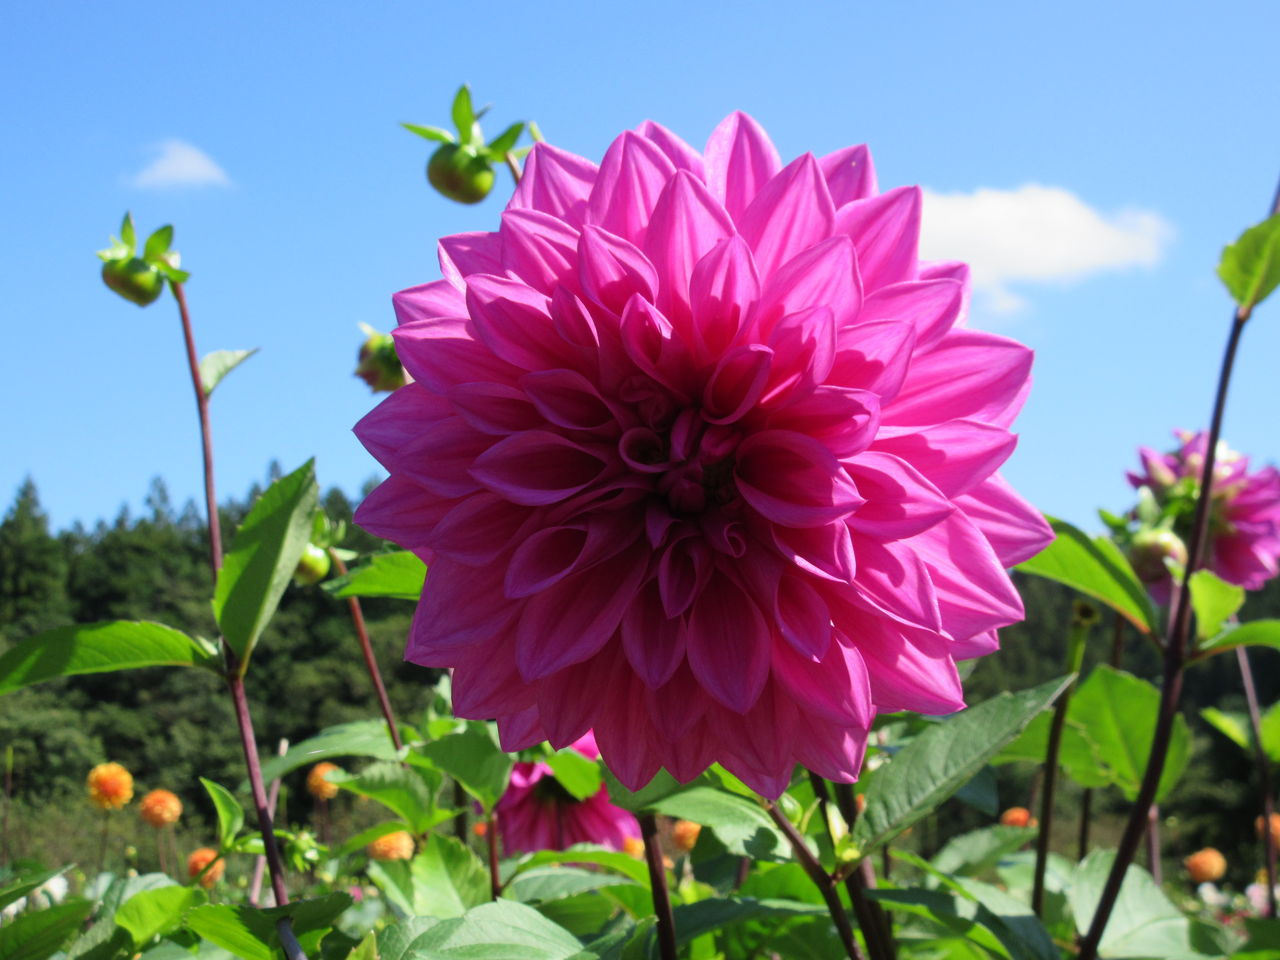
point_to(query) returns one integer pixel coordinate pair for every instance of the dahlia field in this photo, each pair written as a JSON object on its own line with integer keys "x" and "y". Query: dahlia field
{"x": 692, "y": 480}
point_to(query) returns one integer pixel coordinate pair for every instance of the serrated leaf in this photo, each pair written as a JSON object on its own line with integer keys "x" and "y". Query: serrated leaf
{"x": 741, "y": 825}
{"x": 230, "y": 813}
{"x": 978, "y": 851}
{"x": 473, "y": 758}
{"x": 1214, "y": 601}
{"x": 540, "y": 884}
{"x": 502, "y": 930}
{"x": 579, "y": 775}
{"x": 216, "y": 365}
{"x": 398, "y": 574}
{"x": 1250, "y": 267}
{"x": 252, "y": 934}
{"x": 153, "y": 912}
{"x": 158, "y": 243}
{"x": 262, "y": 559}
{"x": 407, "y": 791}
{"x": 37, "y": 934}
{"x": 603, "y": 857}
{"x": 360, "y": 738}
{"x": 97, "y": 648}
{"x": 1095, "y": 567}
{"x": 445, "y": 879}
{"x": 430, "y": 133}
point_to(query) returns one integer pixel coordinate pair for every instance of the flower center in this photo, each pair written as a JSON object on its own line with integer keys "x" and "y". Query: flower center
{"x": 549, "y": 790}
{"x": 691, "y": 461}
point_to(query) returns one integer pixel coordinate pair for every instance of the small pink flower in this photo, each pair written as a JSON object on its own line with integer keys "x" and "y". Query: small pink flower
{"x": 702, "y": 458}
{"x": 536, "y": 813}
{"x": 1244, "y": 518}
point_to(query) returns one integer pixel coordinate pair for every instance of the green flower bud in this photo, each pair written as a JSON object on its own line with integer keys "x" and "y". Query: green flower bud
{"x": 134, "y": 279}
{"x": 460, "y": 173}
{"x": 378, "y": 365}
{"x": 313, "y": 567}
{"x": 1150, "y": 549}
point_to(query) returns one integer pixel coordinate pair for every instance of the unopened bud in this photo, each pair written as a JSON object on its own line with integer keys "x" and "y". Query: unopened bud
{"x": 1150, "y": 549}
{"x": 134, "y": 279}
{"x": 460, "y": 173}
{"x": 378, "y": 365}
{"x": 313, "y": 567}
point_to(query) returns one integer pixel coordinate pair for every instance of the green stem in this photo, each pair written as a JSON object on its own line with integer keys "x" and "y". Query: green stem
{"x": 1264, "y": 775}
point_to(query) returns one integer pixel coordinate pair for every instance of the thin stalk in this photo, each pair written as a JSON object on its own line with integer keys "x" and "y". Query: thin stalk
{"x": 370, "y": 662}
{"x": 460, "y": 804}
{"x": 1086, "y": 799}
{"x": 1082, "y": 619}
{"x": 8, "y": 801}
{"x": 273, "y": 795}
{"x": 271, "y": 848}
{"x": 206, "y": 434}
{"x": 491, "y": 837}
{"x": 658, "y": 881}
{"x": 1264, "y": 773}
{"x": 164, "y": 867}
{"x": 863, "y": 879}
{"x": 102, "y": 849}
{"x": 825, "y": 883}
{"x": 1175, "y": 660}
{"x": 514, "y": 166}
{"x": 1153, "y": 844}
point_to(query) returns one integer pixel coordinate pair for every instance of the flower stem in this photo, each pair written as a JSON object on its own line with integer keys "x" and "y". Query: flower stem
{"x": 260, "y": 862}
{"x": 1264, "y": 773}
{"x": 1153, "y": 845}
{"x": 102, "y": 850}
{"x": 206, "y": 434}
{"x": 1082, "y": 619}
{"x": 1175, "y": 660}
{"x": 514, "y": 166}
{"x": 658, "y": 881}
{"x": 370, "y": 662}
{"x": 491, "y": 838}
{"x": 825, "y": 883}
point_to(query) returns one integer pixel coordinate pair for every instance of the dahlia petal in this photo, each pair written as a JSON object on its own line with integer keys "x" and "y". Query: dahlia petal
{"x": 909, "y": 671}
{"x": 486, "y": 683}
{"x": 390, "y": 426}
{"x": 513, "y": 320}
{"x": 974, "y": 591}
{"x": 804, "y": 346}
{"x": 537, "y": 247}
{"x": 893, "y": 581}
{"x": 791, "y": 213}
{"x": 440, "y": 457}
{"x": 686, "y": 757}
{"x": 824, "y": 275}
{"x": 850, "y": 174}
{"x": 874, "y": 356}
{"x": 494, "y": 408}
{"x": 545, "y": 558}
{"x": 402, "y": 510}
{"x": 678, "y": 705}
{"x": 682, "y": 573}
{"x": 632, "y": 176}
{"x": 442, "y": 627}
{"x": 955, "y": 456}
{"x": 624, "y": 735}
{"x": 836, "y": 687}
{"x": 653, "y": 643}
{"x": 900, "y": 501}
{"x": 765, "y": 761}
{"x": 537, "y": 467}
{"x": 825, "y": 551}
{"x": 681, "y": 155}
{"x": 649, "y": 342}
{"x": 886, "y": 230}
{"x": 556, "y": 182}
{"x": 737, "y": 383}
{"x": 931, "y": 306}
{"x": 520, "y": 731}
{"x": 573, "y": 321}
{"x": 564, "y": 713}
{"x": 728, "y": 644}
{"x": 967, "y": 374}
{"x": 723, "y": 289}
{"x": 843, "y": 419}
{"x": 440, "y": 298}
{"x": 687, "y": 223}
{"x": 1015, "y": 529}
{"x": 802, "y": 617}
{"x": 793, "y": 480}
{"x": 441, "y": 352}
{"x": 477, "y": 530}
{"x": 568, "y": 399}
{"x": 740, "y": 159}
{"x": 466, "y": 253}
{"x": 979, "y": 645}
{"x": 833, "y": 753}
{"x": 612, "y": 270}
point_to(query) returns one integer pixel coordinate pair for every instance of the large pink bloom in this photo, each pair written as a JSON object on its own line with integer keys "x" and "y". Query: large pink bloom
{"x": 1244, "y": 517}
{"x": 701, "y": 457}
{"x": 536, "y": 813}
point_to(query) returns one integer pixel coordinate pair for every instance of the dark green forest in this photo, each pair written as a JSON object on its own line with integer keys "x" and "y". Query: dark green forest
{"x": 170, "y": 727}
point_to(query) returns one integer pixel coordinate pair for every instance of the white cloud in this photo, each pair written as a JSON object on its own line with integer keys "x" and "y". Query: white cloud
{"x": 1035, "y": 234}
{"x": 179, "y": 164}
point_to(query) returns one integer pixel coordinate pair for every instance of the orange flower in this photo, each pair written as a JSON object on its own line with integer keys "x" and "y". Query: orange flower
{"x": 860, "y": 803}
{"x": 1206, "y": 866}
{"x": 1018, "y": 817}
{"x": 317, "y": 785}
{"x": 110, "y": 786}
{"x": 200, "y": 859}
{"x": 685, "y": 834}
{"x": 1275, "y": 827}
{"x": 392, "y": 846}
{"x": 634, "y": 846}
{"x": 480, "y": 828}
{"x": 160, "y": 808}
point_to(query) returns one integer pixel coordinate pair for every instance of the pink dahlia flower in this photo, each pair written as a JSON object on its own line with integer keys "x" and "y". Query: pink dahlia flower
{"x": 536, "y": 813}
{"x": 1244, "y": 514}
{"x": 702, "y": 458}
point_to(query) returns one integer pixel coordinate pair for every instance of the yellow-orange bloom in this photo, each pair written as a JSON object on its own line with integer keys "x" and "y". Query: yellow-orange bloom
{"x": 1206, "y": 866}
{"x": 1018, "y": 817}
{"x": 110, "y": 786}
{"x": 200, "y": 859}
{"x": 317, "y": 785}
{"x": 1275, "y": 827}
{"x": 392, "y": 846}
{"x": 633, "y": 846}
{"x": 160, "y": 808}
{"x": 685, "y": 834}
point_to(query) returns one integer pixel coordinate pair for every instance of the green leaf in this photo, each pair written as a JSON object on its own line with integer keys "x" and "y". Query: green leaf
{"x": 1233, "y": 726}
{"x": 158, "y": 243}
{"x": 360, "y": 738}
{"x": 1271, "y": 733}
{"x": 1142, "y": 924}
{"x": 941, "y": 760}
{"x": 741, "y": 825}
{"x": 502, "y": 930}
{"x": 1250, "y": 267}
{"x": 1095, "y": 567}
{"x": 1256, "y": 633}
{"x": 123, "y": 888}
{"x": 473, "y": 758}
{"x": 693, "y": 920}
{"x": 127, "y": 234}
{"x": 365, "y": 837}
{"x": 430, "y": 133}
{"x": 464, "y": 116}
{"x": 399, "y": 574}
{"x": 555, "y": 882}
{"x": 153, "y": 912}
{"x": 262, "y": 558}
{"x": 603, "y": 857}
{"x": 252, "y": 935}
{"x": 395, "y": 942}
{"x": 1117, "y": 712}
{"x": 980, "y": 792}
{"x": 97, "y": 648}
{"x": 172, "y": 273}
{"x": 445, "y": 879}
{"x": 978, "y": 851}
{"x": 1214, "y": 601}
{"x": 37, "y": 934}
{"x": 506, "y": 139}
{"x": 214, "y": 366}
{"x": 409, "y": 792}
{"x": 1077, "y": 754}
{"x": 23, "y": 886}
{"x": 230, "y": 813}
{"x": 579, "y": 775}
{"x": 638, "y": 801}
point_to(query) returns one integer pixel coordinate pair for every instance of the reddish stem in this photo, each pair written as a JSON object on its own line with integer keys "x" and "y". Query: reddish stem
{"x": 370, "y": 662}
{"x": 658, "y": 882}
{"x": 206, "y": 434}
{"x": 491, "y": 837}
{"x": 1264, "y": 772}
{"x": 260, "y": 862}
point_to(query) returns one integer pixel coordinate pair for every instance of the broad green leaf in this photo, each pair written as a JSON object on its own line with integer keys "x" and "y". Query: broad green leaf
{"x": 1143, "y": 923}
{"x": 445, "y": 879}
{"x": 399, "y": 575}
{"x": 409, "y": 792}
{"x": 473, "y": 758}
{"x": 502, "y": 930}
{"x": 620, "y": 863}
{"x": 158, "y": 243}
{"x": 252, "y": 934}
{"x": 262, "y": 558}
{"x": 97, "y": 648}
{"x": 463, "y": 113}
{"x": 230, "y": 813}
{"x": 939, "y": 761}
{"x": 1214, "y": 601}
{"x": 978, "y": 851}
{"x": 662, "y": 785}
{"x": 1077, "y": 754}
{"x": 504, "y": 141}
{"x": 360, "y": 738}
{"x": 741, "y": 825}
{"x": 121, "y": 889}
{"x": 214, "y": 366}
{"x": 395, "y": 942}
{"x": 555, "y": 882}
{"x": 1270, "y": 728}
{"x": 1117, "y": 712}
{"x": 980, "y": 792}
{"x": 430, "y": 133}
{"x": 1255, "y": 633}
{"x": 579, "y": 775}
{"x": 37, "y": 934}
{"x": 1095, "y": 567}
{"x": 693, "y": 920}
{"x": 1250, "y": 267}
{"x": 1263, "y": 942}
{"x": 154, "y": 912}
{"x": 20, "y": 888}
{"x": 952, "y": 912}
{"x": 1233, "y": 726}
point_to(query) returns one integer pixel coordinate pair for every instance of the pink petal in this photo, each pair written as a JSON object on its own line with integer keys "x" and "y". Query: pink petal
{"x": 568, "y": 399}
{"x": 892, "y": 581}
{"x": 513, "y": 321}
{"x": 677, "y": 706}
{"x": 440, "y": 457}
{"x": 842, "y": 419}
{"x": 886, "y": 231}
{"x": 632, "y": 176}
{"x": 823, "y": 275}
{"x": 545, "y": 558}
{"x": 682, "y": 572}
{"x": 967, "y": 374}
{"x": 477, "y": 530}
{"x": 612, "y": 270}
{"x": 463, "y": 254}
{"x": 537, "y": 467}
{"x": 722, "y": 291}
{"x": 1015, "y": 529}
{"x": 836, "y": 687}
{"x": 850, "y": 174}
{"x": 956, "y": 456}
{"x": 650, "y": 343}
{"x": 556, "y": 182}
{"x": 442, "y": 626}
{"x": 908, "y": 671}
{"x": 687, "y": 223}
{"x": 974, "y": 591}
{"x": 825, "y": 551}
{"x": 740, "y": 159}
{"x": 494, "y": 407}
{"x": 390, "y": 426}
{"x": 520, "y": 731}
{"x": 428, "y": 301}
{"x": 900, "y": 501}
{"x": 441, "y": 352}
{"x": 737, "y": 383}
{"x": 875, "y": 357}
{"x": 802, "y": 616}
{"x": 804, "y": 346}
{"x": 654, "y": 644}
{"x": 400, "y": 510}
{"x": 728, "y": 644}
{"x": 834, "y": 753}
{"x": 793, "y": 480}
{"x": 540, "y": 249}
{"x": 790, "y": 214}
{"x": 683, "y": 156}
{"x": 932, "y": 306}
{"x": 486, "y": 683}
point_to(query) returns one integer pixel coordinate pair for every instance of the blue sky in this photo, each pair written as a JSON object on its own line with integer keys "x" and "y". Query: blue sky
{"x": 1091, "y": 159}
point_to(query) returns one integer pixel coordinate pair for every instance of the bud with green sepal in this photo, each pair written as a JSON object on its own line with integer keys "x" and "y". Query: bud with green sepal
{"x": 1151, "y": 551}
{"x": 377, "y": 364}
{"x": 316, "y": 559}
{"x": 140, "y": 279}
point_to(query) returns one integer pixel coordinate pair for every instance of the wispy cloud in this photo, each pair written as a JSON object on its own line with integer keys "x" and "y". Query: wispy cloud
{"x": 1035, "y": 234}
{"x": 180, "y": 164}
